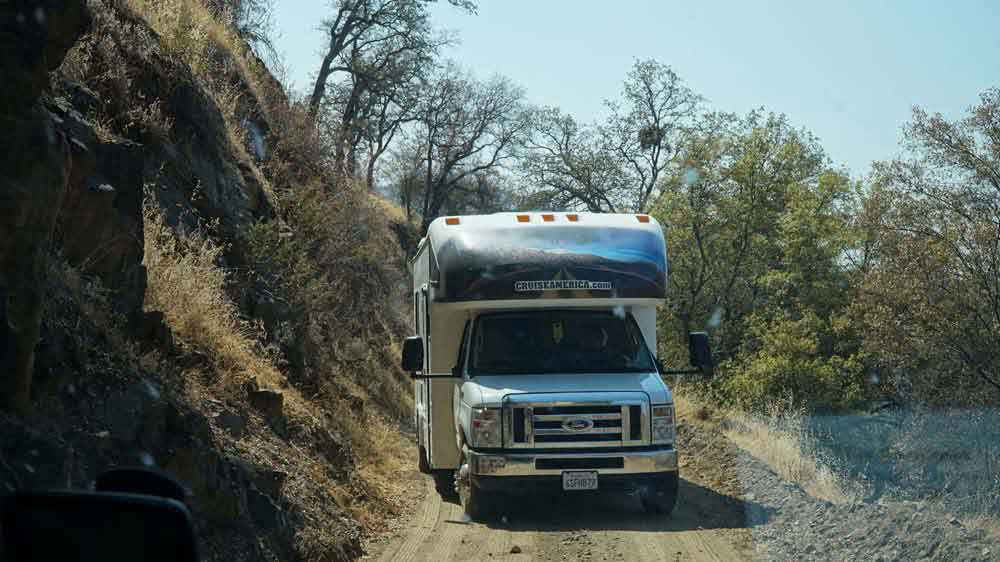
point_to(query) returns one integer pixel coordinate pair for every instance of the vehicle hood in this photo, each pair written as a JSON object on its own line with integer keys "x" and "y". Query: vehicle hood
{"x": 490, "y": 390}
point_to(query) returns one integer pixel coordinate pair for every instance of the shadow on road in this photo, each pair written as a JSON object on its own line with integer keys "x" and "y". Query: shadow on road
{"x": 697, "y": 508}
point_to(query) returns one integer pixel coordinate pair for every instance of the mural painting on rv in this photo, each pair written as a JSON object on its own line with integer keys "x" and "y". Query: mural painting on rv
{"x": 564, "y": 261}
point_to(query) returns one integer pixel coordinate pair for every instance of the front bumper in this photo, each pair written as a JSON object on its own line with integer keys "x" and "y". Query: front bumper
{"x": 530, "y": 485}
{"x": 620, "y": 462}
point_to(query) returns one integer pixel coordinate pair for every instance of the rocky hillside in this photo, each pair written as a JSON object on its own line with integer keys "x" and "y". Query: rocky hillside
{"x": 183, "y": 285}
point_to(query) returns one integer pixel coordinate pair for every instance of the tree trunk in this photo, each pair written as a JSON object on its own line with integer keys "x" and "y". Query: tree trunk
{"x": 319, "y": 89}
{"x": 370, "y": 174}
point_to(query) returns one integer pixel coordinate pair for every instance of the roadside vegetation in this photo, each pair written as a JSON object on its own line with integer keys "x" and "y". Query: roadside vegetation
{"x": 272, "y": 283}
{"x": 847, "y": 314}
{"x": 324, "y": 273}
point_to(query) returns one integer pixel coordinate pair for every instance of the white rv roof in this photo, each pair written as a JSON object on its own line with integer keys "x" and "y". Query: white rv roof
{"x": 500, "y": 221}
{"x": 440, "y": 229}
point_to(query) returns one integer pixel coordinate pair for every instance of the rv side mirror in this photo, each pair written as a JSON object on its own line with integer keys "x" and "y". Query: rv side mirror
{"x": 413, "y": 354}
{"x": 700, "y": 352}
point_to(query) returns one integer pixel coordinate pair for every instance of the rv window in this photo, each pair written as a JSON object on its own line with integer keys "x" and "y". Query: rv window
{"x": 425, "y": 311}
{"x": 435, "y": 273}
{"x": 462, "y": 347}
{"x": 548, "y": 342}
{"x": 416, "y": 314}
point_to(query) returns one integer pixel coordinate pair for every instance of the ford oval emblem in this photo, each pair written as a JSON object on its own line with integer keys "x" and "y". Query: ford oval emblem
{"x": 578, "y": 424}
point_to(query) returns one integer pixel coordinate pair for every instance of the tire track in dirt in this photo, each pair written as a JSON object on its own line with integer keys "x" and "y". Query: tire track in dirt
{"x": 423, "y": 524}
{"x": 448, "y": 533}
{"x": 709, "y": 523}
{"x": 585, "y": 528}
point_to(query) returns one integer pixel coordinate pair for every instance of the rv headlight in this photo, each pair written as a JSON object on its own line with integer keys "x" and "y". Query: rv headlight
{"x": 663, "y": 423}
{"x": 485, "y": 427}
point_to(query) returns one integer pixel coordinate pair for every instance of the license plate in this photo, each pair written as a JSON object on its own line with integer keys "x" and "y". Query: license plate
{"x": 579, "y": 480}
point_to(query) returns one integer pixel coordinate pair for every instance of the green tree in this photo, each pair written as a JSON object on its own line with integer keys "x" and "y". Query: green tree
{"x": 931, "y": 293}
{"x": 758, "y": 227}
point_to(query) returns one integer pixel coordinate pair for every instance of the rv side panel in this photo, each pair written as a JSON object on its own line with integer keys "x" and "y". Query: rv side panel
{"x": 645, "y": 317}
{"x": 421, "y": 387}
{"x": 446, "y": 336}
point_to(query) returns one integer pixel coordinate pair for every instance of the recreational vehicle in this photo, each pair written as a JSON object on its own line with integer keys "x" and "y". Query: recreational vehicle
{"x": 534, "y": 359}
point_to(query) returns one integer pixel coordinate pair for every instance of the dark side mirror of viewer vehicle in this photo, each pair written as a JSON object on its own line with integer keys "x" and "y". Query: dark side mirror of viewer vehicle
{"x": 413, "y": 354}
{"x": 700, "y": 352}
{"x": 95, "y": 526}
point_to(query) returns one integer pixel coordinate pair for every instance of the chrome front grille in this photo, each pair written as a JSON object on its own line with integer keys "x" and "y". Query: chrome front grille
{"x": 555, "y": 424}
{"x": 563, "y": 424}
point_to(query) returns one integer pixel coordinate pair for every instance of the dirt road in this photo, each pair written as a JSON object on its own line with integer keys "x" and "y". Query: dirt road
{"x": 732, "y": 506}
{"x": 705, "y": 526}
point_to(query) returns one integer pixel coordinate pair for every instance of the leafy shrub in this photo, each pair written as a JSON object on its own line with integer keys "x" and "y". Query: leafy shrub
{"x": 788, "y": 362}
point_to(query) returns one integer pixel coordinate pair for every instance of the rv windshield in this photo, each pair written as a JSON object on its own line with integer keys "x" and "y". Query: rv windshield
{"x": 547, "y": 342}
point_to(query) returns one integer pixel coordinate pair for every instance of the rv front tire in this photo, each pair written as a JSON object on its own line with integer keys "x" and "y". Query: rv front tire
{"x": 661, "y": 497}
{"x": 477, "y": 503}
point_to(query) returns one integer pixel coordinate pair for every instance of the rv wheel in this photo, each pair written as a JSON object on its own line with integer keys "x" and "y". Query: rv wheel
{"x": 477, "y": 504}
{"x": 661, "y": 497}
{"x": 422, "y": 464}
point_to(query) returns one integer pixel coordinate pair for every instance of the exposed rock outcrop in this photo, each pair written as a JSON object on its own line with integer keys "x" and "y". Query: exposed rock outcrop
{"x": 35, "y": 163}
{"x": 180, "y": 148}
{"x": 100, "y": 222}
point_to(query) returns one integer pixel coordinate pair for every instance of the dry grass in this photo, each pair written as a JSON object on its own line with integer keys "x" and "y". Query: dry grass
{"x": 188, "y": 286}
{"x": 102, "y": 62}
{"x": 186, "y": 283}
{"x": 192, "y": 33}
{"x": 219, "y": 58}
{"x": 779, "y": 440}
{"x": 392, "y": 211}
{"x": 949, "y": 458}
{"x": 685, "y": 409}
{"x": 984, "y": 515}
{"x": 384, "y": 454}
{"x": 341, "y": 445}
{"x": 332, "y": 257}
{"x": 784, "y": 449}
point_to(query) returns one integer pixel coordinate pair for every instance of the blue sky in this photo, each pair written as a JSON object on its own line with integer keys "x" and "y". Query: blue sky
{"x": 847, "y": 70}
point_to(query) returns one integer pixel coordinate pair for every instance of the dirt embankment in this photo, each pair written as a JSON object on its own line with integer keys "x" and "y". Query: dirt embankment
{"x": 732, "y": 506}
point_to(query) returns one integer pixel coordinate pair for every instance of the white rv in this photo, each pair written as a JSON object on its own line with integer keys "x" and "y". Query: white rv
{"x": 534, "y": 361}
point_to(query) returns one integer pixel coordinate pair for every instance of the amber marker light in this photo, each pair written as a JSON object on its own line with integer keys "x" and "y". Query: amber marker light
{"x": 572, "y": 218}
{"x": 548, "y": 218}
{"x": 451, "y": 220}
{"x": 642, "y": 218}
{"x": 523, "y": 218}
